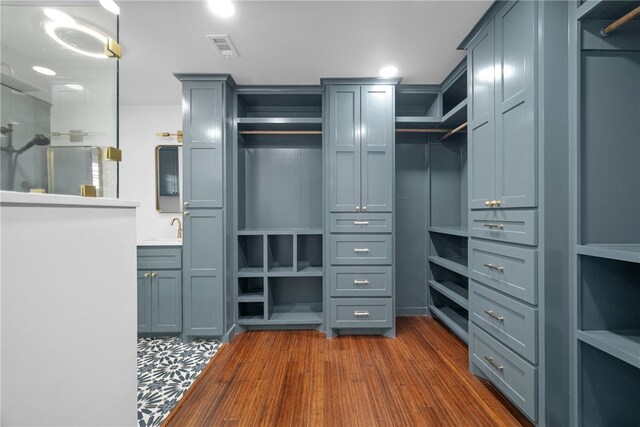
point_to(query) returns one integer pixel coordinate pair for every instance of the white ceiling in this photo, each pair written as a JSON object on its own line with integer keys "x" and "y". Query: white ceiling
{"x": 289, "y": 42}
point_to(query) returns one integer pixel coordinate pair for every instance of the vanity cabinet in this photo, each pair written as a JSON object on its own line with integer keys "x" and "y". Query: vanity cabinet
{"x": 159, "y": 289}
{"x": 360, "y": 255}
{"x": 361, "y": 126}
{"x": 502, "y": 158}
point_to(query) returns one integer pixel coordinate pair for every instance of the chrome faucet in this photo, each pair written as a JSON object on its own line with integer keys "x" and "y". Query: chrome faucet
{"x": 173, "y": 221}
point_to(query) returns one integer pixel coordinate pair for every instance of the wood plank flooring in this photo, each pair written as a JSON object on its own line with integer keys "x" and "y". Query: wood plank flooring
{"x": 300, "y": 378}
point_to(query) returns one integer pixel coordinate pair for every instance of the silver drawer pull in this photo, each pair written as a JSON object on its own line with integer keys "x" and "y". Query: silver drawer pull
{"x": 494, "y": 364}
{"x": 492, "y": 226}
{"x": 361, "y": 251}
{"x": 360, "y": 282}
{"x": 490, "y": 314}
{"x": 493, "y": 267}
{"x": 358, "y": 313}
{"x": 360, "y": 222}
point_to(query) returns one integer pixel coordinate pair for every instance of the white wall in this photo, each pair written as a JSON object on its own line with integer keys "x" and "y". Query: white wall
{"x": 138, "y": 127}
{"x": 68, "y": 313}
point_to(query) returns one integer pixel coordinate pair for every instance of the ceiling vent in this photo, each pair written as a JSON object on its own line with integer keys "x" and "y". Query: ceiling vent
{"x": 224, "y": 46}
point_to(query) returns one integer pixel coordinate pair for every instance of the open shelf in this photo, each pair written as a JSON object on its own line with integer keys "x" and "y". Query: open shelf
{"x": 457, "y": 265}
{"x": 621, "y": 252}
{"x": 280, "y": 253}
{"x": 417, "y": 102}
{"x": 250, "y": 311}
{"x": 609, "y": 389}
{"x": 309, "y": 256}
{"x": 453, "y": 291}
{"x": 455, "y": 93}
{"x": 273, "y": 231}
{"x": 280, "y": 104}
{"x": 605, "y": 9}
{"x": 623, "y": 345}
{"x": 455, "y": 117}
{"x": 453, "y": 319}
{"x": 250, "y": 254}
{"x": 449, "y": 252}
{"x": 250, "y": 289}
{"x": 461, "y": 231}
{"x": 295, "y": 300}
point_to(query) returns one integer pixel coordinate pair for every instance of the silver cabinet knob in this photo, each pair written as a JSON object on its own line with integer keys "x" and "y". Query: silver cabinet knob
{"x": 357, "y": 208}
{"x": 186, "y": 204}
{"x": 364, "y": 208}
{"x": 185, "y": 213}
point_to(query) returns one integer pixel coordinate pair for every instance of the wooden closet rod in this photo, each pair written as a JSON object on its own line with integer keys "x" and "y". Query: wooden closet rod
{"x": 281, "y": 132}
{"x": 422, "y": 130}
{"x": 620, "y": 22}
{"x": 452, "y": 131}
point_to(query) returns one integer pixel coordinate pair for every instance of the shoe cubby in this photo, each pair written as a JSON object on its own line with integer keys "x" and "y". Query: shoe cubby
{"x": 280, "y": 253}
{"x": 454, "y": 316}
{"x": 309, "y": 251}
{"x": 250, "y": 254}
{"x": 449, "y": 251}
{"x": 295, "y": 300}
{"x": 250, "y": 311}
{"x": 250, "y": 288}
{"x": 450, "y": 284}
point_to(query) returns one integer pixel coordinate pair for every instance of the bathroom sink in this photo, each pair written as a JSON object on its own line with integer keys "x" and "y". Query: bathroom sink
{"x": 168, "y": 241}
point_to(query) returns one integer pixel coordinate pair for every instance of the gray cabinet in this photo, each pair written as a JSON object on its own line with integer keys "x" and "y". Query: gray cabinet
{"x": 502, "y": 121}
{"x": 361, "y": 126}
{"x": 361, "y": 134}
{"x": 208, "y": 103}
{"x": 159, "y": 290}
{"x": 202, "y": 272}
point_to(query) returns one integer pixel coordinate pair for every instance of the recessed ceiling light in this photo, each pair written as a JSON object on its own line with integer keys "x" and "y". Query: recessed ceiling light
{"x": 52, "y": 27}
{"x": 111, "y": 6}
{"x": 58, "y": 16}
{"x": 388, "y": 71}
{"x": 75, "y": 87}
{"x": 43, "y": 70}
{"x": 223, "y": 8}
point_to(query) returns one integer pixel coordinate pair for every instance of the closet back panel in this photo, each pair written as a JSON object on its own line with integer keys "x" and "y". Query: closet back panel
{"x": 610, "y": 136}
{"x": 448, "y": 163}
{"x": 280, "y": 183}
{"x": 411, "y": 223}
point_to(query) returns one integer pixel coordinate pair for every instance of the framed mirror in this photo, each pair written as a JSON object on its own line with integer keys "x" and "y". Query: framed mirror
{"x": 168, "y": 178}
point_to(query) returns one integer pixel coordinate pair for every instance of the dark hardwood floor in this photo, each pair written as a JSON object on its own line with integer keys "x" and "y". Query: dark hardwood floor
{"x": 300, "y": 378}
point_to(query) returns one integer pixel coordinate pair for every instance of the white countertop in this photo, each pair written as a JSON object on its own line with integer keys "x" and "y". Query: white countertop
{"x": 160, "y": 242}
{"x": 8, "y": 198}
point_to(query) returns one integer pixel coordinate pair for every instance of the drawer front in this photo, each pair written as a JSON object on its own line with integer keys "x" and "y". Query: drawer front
{"x": 505, "y": 226}
{"x": 511, "y": 322}
{"x": 361, "y": 223}
{"x": 361, "y": 313}
{"x": 361, "y": 250}
{"x": 156, "y": 258}
{"x": 507, "y": 269}
{"x": 513, "y": 376}
{"x": 360, "y": 281}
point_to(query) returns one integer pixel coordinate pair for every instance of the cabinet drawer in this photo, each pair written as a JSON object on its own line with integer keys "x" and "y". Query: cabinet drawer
{"x": 511, "y": 322}
{"x": 360, "y": 250}
{"x": 506, "y": 226}
{"x": 507, "y": 269}
{"x": 361, "y": 223}
{"x": 361, "y": 313}
{"x": 513, "y": 376}
{"x": 360, "y": 281}
{"x": 155, "y": 258}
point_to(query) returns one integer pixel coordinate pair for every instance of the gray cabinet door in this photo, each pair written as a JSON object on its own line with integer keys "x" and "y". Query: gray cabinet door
{"x": 166, "y": 294}
{"x": 144, "y": 302}
{"x": 203, "y": 143}
{"x": 515, "y": 137}
{"x": 480, "y": 63}
{"x": 202, "y": 273}
{"x": 344, "y": 148}
{"x": 377, "y": 136}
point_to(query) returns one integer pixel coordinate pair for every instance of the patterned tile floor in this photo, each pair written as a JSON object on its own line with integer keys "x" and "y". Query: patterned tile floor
{"x": 166, "y": 369}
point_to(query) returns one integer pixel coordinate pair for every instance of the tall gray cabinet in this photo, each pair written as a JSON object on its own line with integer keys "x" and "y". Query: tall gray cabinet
{"x": 360, "y": 196}
{"x": 206, "y": 131}
{"x": 605, "y": 215}
{"x": 516, "y": 60}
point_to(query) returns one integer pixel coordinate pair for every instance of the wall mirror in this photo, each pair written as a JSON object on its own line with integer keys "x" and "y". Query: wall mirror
{"x": 168, "y": 178}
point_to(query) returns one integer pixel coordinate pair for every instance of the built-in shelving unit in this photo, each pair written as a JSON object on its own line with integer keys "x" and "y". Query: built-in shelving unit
{"x": 279, "y": 206}
{"x": 606, "y": 275}
{"x": 447, "y": 226}
{"x": 418, "y": 106}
